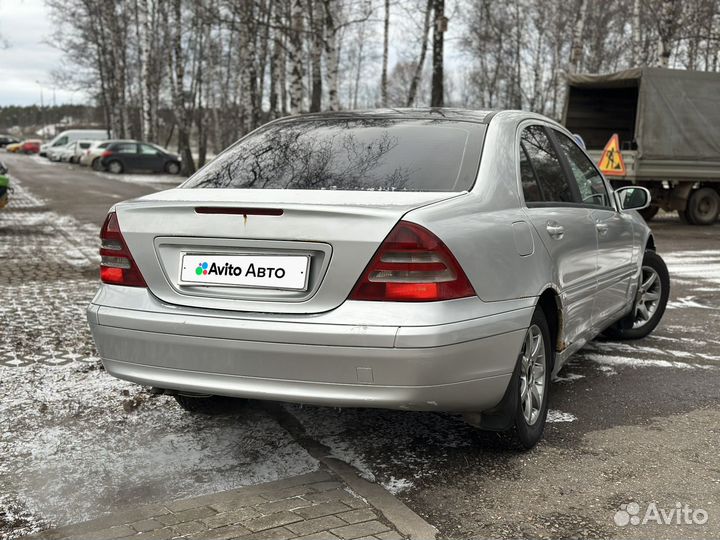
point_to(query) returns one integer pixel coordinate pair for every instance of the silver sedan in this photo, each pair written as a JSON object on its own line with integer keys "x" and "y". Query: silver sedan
{"x": 440, "y": 260}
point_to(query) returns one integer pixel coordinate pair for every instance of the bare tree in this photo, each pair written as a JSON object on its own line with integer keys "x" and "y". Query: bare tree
{"x": 438, "y": 99}
{"x": 295, "y": 55}
{"x": 386, "y": 38}
{"x": 412, "y": 93}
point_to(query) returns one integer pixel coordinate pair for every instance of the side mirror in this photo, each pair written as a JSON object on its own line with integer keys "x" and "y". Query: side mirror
{"x": 633, "y": 197}
{"x": 3, "y": 169}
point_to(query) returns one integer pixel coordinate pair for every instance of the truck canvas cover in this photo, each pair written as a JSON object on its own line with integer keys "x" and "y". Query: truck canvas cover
{"x": 676, "y": 112}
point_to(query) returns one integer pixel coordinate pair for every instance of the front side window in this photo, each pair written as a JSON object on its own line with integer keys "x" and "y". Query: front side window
{"x": 62, "y": 141}
{"x": 544, "y": 163}
{"x": 361, "y": 154}
{"x": 589, "y": 181}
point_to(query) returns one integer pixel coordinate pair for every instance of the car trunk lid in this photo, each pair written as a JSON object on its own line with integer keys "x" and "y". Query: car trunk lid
{"x": 336, "y": 232}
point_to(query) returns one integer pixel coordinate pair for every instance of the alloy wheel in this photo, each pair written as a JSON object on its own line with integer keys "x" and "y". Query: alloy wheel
{"x": 648, "y": 297}
{"x": 532, "y": 374}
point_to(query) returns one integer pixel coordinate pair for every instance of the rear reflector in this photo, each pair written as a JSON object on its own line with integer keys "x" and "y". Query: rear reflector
{"x": 412, "y": 265}
{"x": 117, "y": 266}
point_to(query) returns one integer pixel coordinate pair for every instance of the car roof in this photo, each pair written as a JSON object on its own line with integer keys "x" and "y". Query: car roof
{"x": 448, "y": 113}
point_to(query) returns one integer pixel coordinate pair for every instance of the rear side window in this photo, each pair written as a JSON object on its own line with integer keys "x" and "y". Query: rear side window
{"x": 552, "y": 184}
{"x": 530, "y": 187}
{"x": 124, "y": 148}
{"x": 365, "y": 154}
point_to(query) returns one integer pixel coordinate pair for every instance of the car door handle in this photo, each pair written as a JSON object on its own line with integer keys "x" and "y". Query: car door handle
{"x": 555, "y": 230}
{"x": 601, "y": 228}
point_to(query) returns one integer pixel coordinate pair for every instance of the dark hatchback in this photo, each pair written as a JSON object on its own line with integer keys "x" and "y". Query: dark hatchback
{"x": 7, "y": 139}
{"x": 125, "y": 156}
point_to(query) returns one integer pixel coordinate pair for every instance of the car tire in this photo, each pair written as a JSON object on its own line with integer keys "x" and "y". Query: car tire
{"x": 649, "y": 213}
{"x": 172, "y": 168}
{"x": 640, "y": 322}
{"x": 96, "y": 165}
{"x": 527, "y": 430}
{"x": 518, "y": 431}
{"x": 115, "y": 167}
{"x": 703, "y": 206}
{"x": 209, "y": 405}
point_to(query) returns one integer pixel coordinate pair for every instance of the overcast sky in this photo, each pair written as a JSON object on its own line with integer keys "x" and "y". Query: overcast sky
{"x": 27, "y": 62}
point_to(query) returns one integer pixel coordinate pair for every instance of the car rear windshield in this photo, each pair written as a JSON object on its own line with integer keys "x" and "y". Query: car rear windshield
{"x": 368, "y": 154}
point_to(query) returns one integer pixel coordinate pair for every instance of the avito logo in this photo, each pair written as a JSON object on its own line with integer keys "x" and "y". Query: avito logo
{"x": 201, "y": 270}
{"x": 204, "y": 269}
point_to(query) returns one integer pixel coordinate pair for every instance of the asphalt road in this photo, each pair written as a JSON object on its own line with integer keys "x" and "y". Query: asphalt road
{"x": 79, "y": 191}
{"x": 633, "y": 423}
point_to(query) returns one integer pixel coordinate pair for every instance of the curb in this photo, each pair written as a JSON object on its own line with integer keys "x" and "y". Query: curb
{"x": 394, "y": 510}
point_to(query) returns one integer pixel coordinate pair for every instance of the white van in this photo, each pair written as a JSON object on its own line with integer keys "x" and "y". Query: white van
{"x": 66, "y": 137}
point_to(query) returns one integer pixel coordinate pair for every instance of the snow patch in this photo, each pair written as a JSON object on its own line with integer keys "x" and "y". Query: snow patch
{"x": 397, "y": 485}
{"x": 641, "y": 362}
{"x": 569, "y": 377}
{"x": 688, "y": 302}
{"x": 554, "y": 417}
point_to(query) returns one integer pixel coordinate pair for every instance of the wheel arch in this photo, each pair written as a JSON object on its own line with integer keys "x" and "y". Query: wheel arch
{"x": 650, "y": 244}
{"x": 551, "y": 304}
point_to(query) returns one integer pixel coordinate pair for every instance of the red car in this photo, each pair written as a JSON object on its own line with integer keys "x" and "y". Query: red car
{"x": 30, "y": 146}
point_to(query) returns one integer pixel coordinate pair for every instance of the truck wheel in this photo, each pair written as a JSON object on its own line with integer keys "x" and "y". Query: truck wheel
{"x": 703, "y": 206}
{"x": 649, "y": 212}
{"x": 209, "y": 405}
{"x": 684, "y": 218}
{"x": 650, "y": 301}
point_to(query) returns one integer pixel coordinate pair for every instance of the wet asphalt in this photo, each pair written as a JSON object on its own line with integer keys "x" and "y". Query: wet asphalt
{"x": 635, "y": 422}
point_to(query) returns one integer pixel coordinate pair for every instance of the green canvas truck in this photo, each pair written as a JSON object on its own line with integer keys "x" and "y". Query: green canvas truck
{"x": 668, "y": 123}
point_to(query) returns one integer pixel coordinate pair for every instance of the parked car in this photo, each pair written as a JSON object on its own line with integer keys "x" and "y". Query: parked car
{"x": 56, "y": 152}
{"x": 62, "y": 139}
{"x": 7, "y": 139}
{"x": 126, "y": 156}
{"x": 30, "y": 146}
{"x": 92, "y": 156}
{"x": 74, "y": 150}
{"x": 440, "y": 260}
{"x": 13, "y": 147}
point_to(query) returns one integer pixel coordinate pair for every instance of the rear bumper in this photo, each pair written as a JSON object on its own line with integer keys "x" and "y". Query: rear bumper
{"x": 459, "y": 366}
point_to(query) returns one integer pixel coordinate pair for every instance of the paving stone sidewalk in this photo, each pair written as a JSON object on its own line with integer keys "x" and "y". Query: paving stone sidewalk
{"x": 318, "y": 505}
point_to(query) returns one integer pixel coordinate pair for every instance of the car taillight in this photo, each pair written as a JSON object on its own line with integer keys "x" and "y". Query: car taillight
{"x": 106, "y": 154}
{"x": 412, "y": 265}
{"x": 117, "y": 267}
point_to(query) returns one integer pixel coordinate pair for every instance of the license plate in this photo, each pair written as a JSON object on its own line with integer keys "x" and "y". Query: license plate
{"x": 289, "y": 272}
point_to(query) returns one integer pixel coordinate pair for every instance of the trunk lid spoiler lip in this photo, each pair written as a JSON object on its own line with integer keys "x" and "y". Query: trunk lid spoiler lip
{"x": 253, "y": 198}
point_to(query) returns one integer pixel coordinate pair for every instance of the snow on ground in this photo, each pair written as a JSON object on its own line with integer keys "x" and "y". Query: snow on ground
{"x": 397, "y": 449}
{"x": 75, "y": 442}
{"x": 554, "y": 416}
{"x": 397, "y": 485}
{"x": 698, "y": 264}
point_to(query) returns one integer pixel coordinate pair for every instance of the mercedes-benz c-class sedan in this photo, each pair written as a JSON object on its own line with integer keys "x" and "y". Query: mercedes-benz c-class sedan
{"x": 439, "y": 260}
